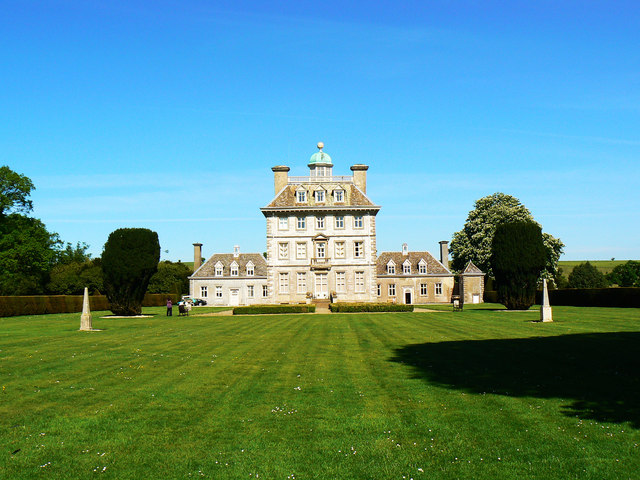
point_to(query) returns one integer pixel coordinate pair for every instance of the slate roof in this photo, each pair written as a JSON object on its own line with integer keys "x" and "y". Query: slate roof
{"x": 209, "y": 267}
{"x": 471, "y": 269}
{"x": 434, "y": 267}
{"x": 353, "y": 196}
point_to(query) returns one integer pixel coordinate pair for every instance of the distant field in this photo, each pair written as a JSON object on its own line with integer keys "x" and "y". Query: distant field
{"x": 605, "y": 266}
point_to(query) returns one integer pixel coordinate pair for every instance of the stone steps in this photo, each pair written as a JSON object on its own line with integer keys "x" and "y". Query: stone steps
{"x": 322, "y": 306}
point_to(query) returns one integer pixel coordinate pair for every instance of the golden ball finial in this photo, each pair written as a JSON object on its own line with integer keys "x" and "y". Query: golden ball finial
{"x": 320, "y": 145}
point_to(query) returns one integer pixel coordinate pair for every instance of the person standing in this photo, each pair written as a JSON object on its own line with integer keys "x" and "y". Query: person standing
{"x": 169, "y": 307}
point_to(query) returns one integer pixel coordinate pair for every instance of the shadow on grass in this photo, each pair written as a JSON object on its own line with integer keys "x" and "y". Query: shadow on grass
{"x": 599, "y": 374}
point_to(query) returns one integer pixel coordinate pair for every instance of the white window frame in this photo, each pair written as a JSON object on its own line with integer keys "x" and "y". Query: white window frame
{"x": 250, "y": 291}
{"x": 301, "y": 196}
{"x": 424, "y": 289}
{"x": 301, "y": 223}
{"x": 283, "y": 283}
{"x": 392, "y": 290}
{"x": 339, "y": 221}
{"x": 320, "y": 197}
{"x": 359, "y": 282}
{"x": 218, "y": 291}
{"x": 301, "y": 282}
{"x": 422, "y": 267}
{"x": 301, "y": 251}
{"x": 265, "y": 291}
{"x": 406, "y": 268}
{"x": 219, "y": 269}
{"x": 338, "y": 196}
{"x": 233, "y": 271}
{"x": 379, "y": 292}
{"x": 358, "y": 252}
{"x": 283, "y": 223}
{"x": 437, "y": 289}
{"x": 320, "y": 222}
{"x": 341, "y": 282}
{"x": 391, "y": 267}
{"x": 251, "y": 271}
{"x": 204, "y": 291}
{"x": 358, "y": 221}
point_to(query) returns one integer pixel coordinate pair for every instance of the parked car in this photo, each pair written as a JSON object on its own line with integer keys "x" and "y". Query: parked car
{"x": 193, "y": 301}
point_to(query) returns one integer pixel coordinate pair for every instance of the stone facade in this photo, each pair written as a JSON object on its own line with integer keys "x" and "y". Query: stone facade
{"x": 321, "y": 244}
{"x": 471, "y": 284}
{"x": 231, "y": 279}
{"x": 413, "y": 278}
{"x": 321, "y": 235}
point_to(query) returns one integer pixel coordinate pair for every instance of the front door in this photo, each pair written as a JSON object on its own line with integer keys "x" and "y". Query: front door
{"x": 234, "y": 297}
{"x": 407, "y": 296}
{"x": 321, "y": 285}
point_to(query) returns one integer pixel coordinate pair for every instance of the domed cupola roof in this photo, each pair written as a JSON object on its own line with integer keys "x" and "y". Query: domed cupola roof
{"x": 320, "y": 157}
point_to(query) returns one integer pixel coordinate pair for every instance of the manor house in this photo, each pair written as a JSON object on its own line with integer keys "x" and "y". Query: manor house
{"x": 321, "y": 244}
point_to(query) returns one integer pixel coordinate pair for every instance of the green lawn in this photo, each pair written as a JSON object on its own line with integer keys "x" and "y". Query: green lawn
{"x": 480, "y": 394}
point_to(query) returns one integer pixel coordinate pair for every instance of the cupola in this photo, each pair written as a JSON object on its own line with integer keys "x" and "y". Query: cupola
{"x": 320, "y": 163}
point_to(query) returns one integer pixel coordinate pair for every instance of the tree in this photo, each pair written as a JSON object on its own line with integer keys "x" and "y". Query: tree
{"x": 15, "y": 190}
{"x": 129, "y": 260}
{"x": 518, "y": 256}
{"x": 71, "y": 278}
{"x": 586, "y": 275}
{"x": 170, "y": 278}
{"x": 27, "y": 254}
{"x": 473, "y": 242}
{"x": 626, "y": 274}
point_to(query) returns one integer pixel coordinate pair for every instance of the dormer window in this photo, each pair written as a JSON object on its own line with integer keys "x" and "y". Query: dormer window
{"x": 250, "y": 269}
{"x": 422, "y": 267}
{"x": 338, "y": 195}
{"x": 319, "y": 195}
{"x": 234, "y": 269}
{"x": 301, "y": 196}
{"x": 406, "y": 268}
{"x": 219, "y": 269}
{"x": 391, "y": 267}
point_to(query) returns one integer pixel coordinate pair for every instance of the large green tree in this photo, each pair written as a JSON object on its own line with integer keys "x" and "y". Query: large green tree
{"x": 518, "y": 256}
{"x": 586, "y": 275}
{"x": 129, "y": 260}
{"x": 473, "y": 242}
{"x": 15, "y": 190}
{"x": 170, "y": 278}
{"x": 626, "y": 274}
{"x": 27, "y": 254}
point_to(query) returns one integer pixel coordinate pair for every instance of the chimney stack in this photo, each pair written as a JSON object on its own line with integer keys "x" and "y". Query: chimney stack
{"x": 444, "y": 253}
{"x": 360, "y": 176}
{"x": 197, "y": 256}
{"x": 280, "y": 177}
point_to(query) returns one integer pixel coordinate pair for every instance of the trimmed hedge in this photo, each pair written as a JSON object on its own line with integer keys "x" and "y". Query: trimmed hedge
{"x": 585, "y": 297}
{"x": 369, "y": 307}
{"x": 46, "y": 304}
{"x": 269, "y": 309}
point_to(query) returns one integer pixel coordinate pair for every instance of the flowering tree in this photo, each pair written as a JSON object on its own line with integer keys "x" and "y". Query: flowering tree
{"x": 474, "y": 241}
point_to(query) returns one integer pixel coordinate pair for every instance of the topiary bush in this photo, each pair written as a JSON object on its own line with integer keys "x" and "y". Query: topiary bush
{"x": 518, "y": 256}
{"x": 129, "y": 260}
{"x": 369, "y": 307}
{"x": 270, "y": 309}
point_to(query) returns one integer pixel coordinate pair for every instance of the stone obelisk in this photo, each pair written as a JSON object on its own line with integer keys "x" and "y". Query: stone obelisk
{"x": 545, "y": 308}
{"x": 85, "y": 319}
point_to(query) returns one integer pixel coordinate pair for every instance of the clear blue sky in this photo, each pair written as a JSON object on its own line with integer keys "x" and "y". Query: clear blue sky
{"x": 170, "y": 114}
